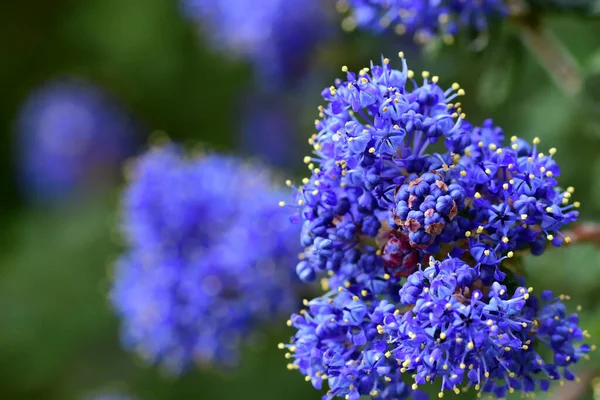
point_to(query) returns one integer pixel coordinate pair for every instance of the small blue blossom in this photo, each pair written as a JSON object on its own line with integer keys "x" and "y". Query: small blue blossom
{"x": 424, "y": 19}
{"x": 278, "y": 37}
{"x": 70, "y": 136}
{"x": 205, "y": 235}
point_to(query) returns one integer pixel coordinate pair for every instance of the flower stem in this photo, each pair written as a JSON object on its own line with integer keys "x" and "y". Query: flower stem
{"x": 554, "y": 58}
{"x": 585, "y": 232}
{"x": 551, "y": 54}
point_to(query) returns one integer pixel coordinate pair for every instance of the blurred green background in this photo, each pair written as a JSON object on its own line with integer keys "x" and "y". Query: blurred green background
{"x": 58, "y": 338}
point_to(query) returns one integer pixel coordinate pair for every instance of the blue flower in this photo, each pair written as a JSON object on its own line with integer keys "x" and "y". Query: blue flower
{"x": 205, "y": 236}
{"x": 278, "y": 36}
{"x": 451, "y": 332}
{"x": 372, "y": 138}
{"x": 424, "y": 19}
{"x": 267, "y": 131}
{"x": 70, "y": 136}
{"x": 378, "y": 202}
{"x": 427, "y": 210}
{"x": 514, "y": 195}
{"x": 340, "y": 341}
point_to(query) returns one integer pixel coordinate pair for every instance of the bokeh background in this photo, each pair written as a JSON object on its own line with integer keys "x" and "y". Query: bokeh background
{"x": 58, "y": 337}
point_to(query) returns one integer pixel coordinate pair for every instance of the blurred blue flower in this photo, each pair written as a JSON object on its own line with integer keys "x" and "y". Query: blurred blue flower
{"x": 268, "y": 132}
{"x": 424, "y": 19}
{"x": 70, "y": 136}
{"x": 276, "y": 36}
{"x": 210, "y": 256}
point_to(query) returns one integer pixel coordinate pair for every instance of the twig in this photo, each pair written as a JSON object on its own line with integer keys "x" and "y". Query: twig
{"x": 585, "y": 232}
{"x": 572, "y": 390}
{"x": 552, "y": 55}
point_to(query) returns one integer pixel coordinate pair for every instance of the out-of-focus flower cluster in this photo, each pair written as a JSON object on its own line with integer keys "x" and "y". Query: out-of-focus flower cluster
{"x": 277, "y": 36}
{"x": 424, "y": 19}
{"x": 418, "y": 249}
{"x": 70, "y": 136}
{"x": 209, "y": 257}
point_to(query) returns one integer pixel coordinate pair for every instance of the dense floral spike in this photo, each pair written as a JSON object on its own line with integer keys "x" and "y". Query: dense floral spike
{"x": 447, "y": 328}
{"x": 71, "y": 136}
{"x": 372, "y": 138}
{"x": 206, "y": 236}
{"x": 340, "y": 340}
{"x": 377, "y": 204}
{"x": 278, "y": 37}
{"x": 463, "y": 334}
{"x": 515, "y": 198}
{"x": 424, "y": 19}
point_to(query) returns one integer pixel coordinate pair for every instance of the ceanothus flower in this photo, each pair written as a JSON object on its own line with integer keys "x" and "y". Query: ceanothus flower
{"x": 378, "y": 203}
{"x": 276, "y": 36}
{"x": 70, "y": 136}
{"x": 455, "y": 331}
{"x": 423, "y": 19}
{"x": 210, "y": 257}
{"x": 372, "y": 139}
{"x": 445, "y": 327}
{"x": 371, "y": 174}
{"x": 514, "y": 194}
{"x": 340, "y": 341}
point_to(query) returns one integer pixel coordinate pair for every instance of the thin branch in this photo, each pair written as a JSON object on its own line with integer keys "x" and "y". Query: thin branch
{"x": 573, "y": 390}
{"x": 552, "y": 55}
{"x": 585, "y": 232}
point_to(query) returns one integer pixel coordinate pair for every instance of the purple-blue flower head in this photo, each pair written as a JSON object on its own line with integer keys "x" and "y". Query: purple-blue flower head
{"x": 70, "y": 136}
{"x": 372, "y": 173}
{"x": 277, "y": 36}
{"x": 453, "y": 331}
{"x": 340, "y": 341}
{"x": 378, "y": 202}
{"x": 372, "y": 140}
{"x": 210, "y": 257}
{"x": 446, "y": 330}
{"x": 423, "y": 19}
{"x": 515, "y": 198}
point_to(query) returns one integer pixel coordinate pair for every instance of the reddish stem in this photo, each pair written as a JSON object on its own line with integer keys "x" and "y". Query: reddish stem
{"x": 585, "y": 232}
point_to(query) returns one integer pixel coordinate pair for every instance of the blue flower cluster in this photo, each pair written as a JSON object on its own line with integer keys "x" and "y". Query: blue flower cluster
{"x": 418, "y": 247}
{"x": 205, "y": 236}
{"x": 278, "y": 36}
{"x": 425, "y": 19}
{"x": 71, "y": 136}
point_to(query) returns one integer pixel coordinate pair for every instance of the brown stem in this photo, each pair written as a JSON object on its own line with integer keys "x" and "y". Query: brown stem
{"x": 585, "y": 232}
{"x": 572, "y": 390}
{"x": 552, "y": 55}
